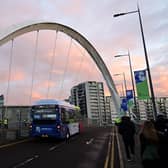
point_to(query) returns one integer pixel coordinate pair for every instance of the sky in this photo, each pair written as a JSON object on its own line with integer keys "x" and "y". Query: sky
{"x": 72, "y": 64}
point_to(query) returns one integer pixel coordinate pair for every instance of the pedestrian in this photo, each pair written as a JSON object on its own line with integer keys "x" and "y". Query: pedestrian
{"x": 149, "y": 143}
{"x": 127, "y": 130}
{"x": 5, "y": 122}
{"x": 161, "y": 126}
{"x": 117, "y": 121}
{"x": 25, "y": 122}
{"x": 0, "y": 123}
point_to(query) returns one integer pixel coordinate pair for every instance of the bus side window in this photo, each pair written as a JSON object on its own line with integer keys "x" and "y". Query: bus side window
{"x": 72, "y": 116}
{"x": 64, "y": 115}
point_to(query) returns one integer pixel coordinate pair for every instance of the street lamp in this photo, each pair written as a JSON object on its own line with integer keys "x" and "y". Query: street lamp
{"x": 125, "y": 83}
{"x": 131, "y": 72}
{"x": 146, "y": 57}
{"x": 122, "y": 88}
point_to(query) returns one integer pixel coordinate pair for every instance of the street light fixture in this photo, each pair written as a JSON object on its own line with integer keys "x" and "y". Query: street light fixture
{"x": 131, "y": 72}
{"x": 125, "y": 83}
{"x": 146, "y": 57}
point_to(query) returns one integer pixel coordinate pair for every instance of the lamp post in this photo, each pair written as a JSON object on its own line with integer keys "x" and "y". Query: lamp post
{"x": 146, "y": 58}
{"x": 131, "y": 72}
{"x": 122, "y": 88}
{"x": 125, "y": 83}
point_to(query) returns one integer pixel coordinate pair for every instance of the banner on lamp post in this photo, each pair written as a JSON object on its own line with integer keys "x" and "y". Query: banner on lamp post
{"x": 141, "y": 84}
{"x": 124, "y": 107}
{"x": 129, "y": 96}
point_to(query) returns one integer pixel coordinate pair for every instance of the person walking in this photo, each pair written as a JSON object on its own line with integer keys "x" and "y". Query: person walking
{"x": 5, "y": 122}
{"x": 161, "y": 125}
{"x": 149, "y": 142}
{"x": 127, "y": 131}
{"x": 0, "y": 123}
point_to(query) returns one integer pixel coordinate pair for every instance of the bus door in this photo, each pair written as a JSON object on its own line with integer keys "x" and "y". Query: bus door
{"x": 65, "y": 121}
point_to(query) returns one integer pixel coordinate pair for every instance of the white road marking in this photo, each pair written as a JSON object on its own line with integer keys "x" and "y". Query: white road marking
{"x": 14, "y": 143}
{"x": 26, "y": 161}
{"x": 56, "y": 146}
{"x": 90, "y": 141}
{"x": 52, "y": 148}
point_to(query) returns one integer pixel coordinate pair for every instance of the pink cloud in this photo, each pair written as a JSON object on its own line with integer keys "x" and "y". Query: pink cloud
{"x": 73, "y": 7}
{"x": 160, "y": 80}
{"x": 37, "y": 95}
{"x": 18, "y": 76}
{"x": 109, "y": 37}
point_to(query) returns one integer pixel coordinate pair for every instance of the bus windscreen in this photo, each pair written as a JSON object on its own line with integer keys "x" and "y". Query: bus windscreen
{"x": 46, "y": 112}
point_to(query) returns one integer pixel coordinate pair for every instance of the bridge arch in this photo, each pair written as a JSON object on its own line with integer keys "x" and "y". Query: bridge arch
{"x": 20, "y": 29}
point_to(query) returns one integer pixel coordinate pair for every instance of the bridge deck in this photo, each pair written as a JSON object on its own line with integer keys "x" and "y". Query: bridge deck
{"x": 119, "y": 160}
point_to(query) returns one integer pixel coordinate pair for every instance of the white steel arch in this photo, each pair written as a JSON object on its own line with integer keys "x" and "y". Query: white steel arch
{"x": 20, "y": 29}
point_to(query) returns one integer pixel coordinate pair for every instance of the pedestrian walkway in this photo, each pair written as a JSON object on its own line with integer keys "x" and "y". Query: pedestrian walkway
{"x": 11, "y": 135}
{"x": 137, "y": 161}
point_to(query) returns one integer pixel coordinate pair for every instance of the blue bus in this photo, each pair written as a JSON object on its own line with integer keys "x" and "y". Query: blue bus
{"x": 54, "y": 118}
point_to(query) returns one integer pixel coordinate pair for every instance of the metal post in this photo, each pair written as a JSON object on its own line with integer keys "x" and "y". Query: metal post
{"x": 131, "y": 72}
{"x": 132, "y": 79}
{"x": 122, "y": 90}
{"x": 147, "y": 66}
{"x": 146, "y": 58}
{"x": 125, "y": 83}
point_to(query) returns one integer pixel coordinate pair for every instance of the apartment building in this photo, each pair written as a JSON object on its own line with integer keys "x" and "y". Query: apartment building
{"x": 111, "y": 113}
{"x": 89, "y": 96}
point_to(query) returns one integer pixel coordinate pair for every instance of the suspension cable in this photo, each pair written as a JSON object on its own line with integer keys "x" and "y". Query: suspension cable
{"x": 99, "y": 77}
{"x": 52, "y": 63}
{"x": 80, "y": 67}
{"x": 90, "y": 70}
{"x": 65, "y": 70}
{"x": 34, "y": 65}
{"x": 9, "y": 74}
{"x": 77, "y": 77}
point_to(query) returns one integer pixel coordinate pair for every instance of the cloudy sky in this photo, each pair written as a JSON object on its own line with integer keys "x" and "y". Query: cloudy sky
{"x": 55, "y": 74}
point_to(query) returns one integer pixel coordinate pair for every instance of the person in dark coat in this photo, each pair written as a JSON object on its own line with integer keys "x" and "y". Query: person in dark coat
{"x": 149, "y": 144}
{"x": 161, "y": 126}
{"x": 127, "y": 130}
